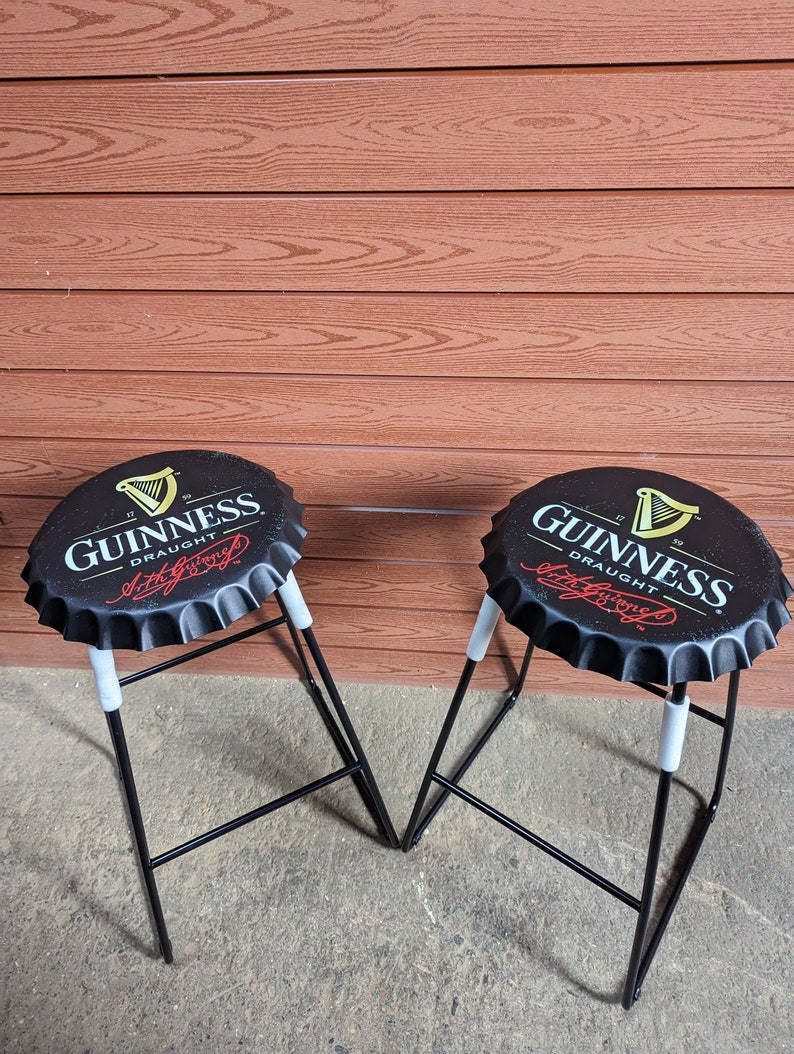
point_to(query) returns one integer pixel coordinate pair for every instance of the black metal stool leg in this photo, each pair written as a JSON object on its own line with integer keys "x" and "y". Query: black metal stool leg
{"x": 141, "y": 844}
{"x": 411, "y": 838}
{"x": 727, "y": 737}
{"x": 372, "y": 798}
{"x": 670, "y": 747}
{"x": 463, "y": 767}
{"x": 328, "y": 720}
{"x": 299, "y": 616}
{"x": 631, "y": 990}
{"x": 640, "y": 963}
{"x": 109, "y": 690}
{"x": 478, "y": 645}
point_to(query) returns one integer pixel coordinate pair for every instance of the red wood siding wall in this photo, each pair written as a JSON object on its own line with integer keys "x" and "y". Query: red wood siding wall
{"x": 413, "y": 257}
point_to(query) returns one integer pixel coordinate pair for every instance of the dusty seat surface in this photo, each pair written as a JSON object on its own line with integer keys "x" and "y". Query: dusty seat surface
{"x": 637, "y": 575}
{"x": 163, "y": 549}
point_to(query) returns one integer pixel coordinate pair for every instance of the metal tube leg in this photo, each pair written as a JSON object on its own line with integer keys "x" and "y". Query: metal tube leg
{"x": 409, "y": 838}
{"x": 672, "y": 739}
{"x": 134, "y": 809}
{"x": 331, "y": 726}
{"x": 698, "y": 834}
{"x": 727, "y": 736}
{"x": 109, "y": 691}
{"x": 480, "y": 639}
{"x": 631, "y": 991}
{"x": 518, "y": 687}
{"x": 291, "y": 601}
{"x": 373, "y": 797}
{"x": 317, "y": 695}
{"x": 464, "y": 766}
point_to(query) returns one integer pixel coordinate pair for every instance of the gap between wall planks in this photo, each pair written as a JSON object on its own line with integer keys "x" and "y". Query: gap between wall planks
{"x": 676, "y": 416}
{"x": 411, "y": 579}
{"x": 764, "y": 685}
{"x": 385, "y": 536}
{"x": 396, "y": 564}
{"x": 725, "y": 337}
{"x": 401, "y": 478}
{"x": 41, "y": 39}
{"x": 573, "y": 242}
{"x": 376, "y": 579}
{"x": 720, "y": 126}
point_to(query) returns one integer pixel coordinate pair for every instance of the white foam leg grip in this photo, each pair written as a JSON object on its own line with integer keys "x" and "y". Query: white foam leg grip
{"x": 294, "y": 603}
{"x": 671, "y": 743}
{"x": 107, "y": 683}
{"x": 487, "y": 617}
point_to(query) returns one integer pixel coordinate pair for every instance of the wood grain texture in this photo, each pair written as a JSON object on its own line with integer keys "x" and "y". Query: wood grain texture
{"x": 410, "y": 293}
{"x": 763, "y": 686}
{"x": 737, "y": 338}
{"x": 367, "y": 536}
{"x": 407, "y": 633}
{"x": 346, "y": 636}
{"x": 372, "y": 604}
{"x": 640, "y": 241}
{"x": 723, "y": 126}
{"x": 674, "y": 416}
{"x": 42, "y": 38}
{"x": 406, "y": 478}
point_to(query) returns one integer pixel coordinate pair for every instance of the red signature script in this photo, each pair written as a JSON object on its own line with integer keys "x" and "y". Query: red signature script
{"x": 629, "y": 607}
{"x": 216, "y": 557}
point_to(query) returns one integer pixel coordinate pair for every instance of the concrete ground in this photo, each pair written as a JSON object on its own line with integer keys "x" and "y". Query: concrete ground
{"x": 304, "y": 932}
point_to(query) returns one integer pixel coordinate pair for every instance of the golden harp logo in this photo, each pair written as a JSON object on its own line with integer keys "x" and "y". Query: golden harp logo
{"x": 153, "y": 493}
{"x": 658, "y": 515}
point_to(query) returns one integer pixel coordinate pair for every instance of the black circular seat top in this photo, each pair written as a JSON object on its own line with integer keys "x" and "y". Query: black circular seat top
{"x": 163, "y": 549}
{"x": 635, "y": 574}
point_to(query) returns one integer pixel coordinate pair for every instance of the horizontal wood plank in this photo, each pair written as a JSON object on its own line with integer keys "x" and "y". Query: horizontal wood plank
{"x": 373, "y": 586}
{"x": 404, "y": 478}
{"x": 675, "y": 416}
{"x": 396, "y": 630}
{"x": 702, "y": 337}
{"x": 722, "y": 126}
{"x": 39, "y": 38}
{"x": 688, "y": 241}
{"x": 765, "y": 685}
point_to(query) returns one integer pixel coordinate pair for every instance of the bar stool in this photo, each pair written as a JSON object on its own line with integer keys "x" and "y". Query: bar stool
{"x": 643, "y": 577}
{"x": 160, "y": 551}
